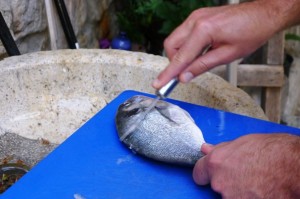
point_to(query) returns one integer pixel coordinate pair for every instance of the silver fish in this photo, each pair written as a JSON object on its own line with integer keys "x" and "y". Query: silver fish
{"x": 166, "y": 133}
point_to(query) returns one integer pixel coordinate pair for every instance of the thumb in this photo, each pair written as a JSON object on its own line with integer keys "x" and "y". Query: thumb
{"x": 207, "y": 148}
{"x": 200, "y": 172}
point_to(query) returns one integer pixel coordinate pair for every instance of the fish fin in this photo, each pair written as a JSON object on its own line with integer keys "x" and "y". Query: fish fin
{"x": 165, "y": 113}
{"x": 168, "y": 113}
{"x": 188, "y": 115}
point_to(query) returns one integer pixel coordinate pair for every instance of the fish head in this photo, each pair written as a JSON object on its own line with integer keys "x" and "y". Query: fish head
{"x": 130, "y": 112}
{"x": 134, "y": 106}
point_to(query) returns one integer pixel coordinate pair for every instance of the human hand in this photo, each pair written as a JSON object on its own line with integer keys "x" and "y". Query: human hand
{"x": 230, "y": 32}
{"x": 253, "y": 166}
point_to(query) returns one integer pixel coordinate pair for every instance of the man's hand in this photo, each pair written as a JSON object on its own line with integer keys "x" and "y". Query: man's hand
{"x": 230, "y": 32}
{"x": 253, "y": 166}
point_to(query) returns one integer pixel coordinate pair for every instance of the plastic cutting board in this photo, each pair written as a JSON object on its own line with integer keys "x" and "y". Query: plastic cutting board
{"x": 93, "y": 163}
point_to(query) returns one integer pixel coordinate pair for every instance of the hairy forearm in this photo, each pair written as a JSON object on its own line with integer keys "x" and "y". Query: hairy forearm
{"x": 283, "y": 13}
{"x": 294, "y": 148}
{"x": 286, "y": 162}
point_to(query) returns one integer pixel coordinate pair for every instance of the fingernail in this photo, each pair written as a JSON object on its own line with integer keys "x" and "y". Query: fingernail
{"x": 187, "y": 77}
{"x": 156, "y": 83}
{"x": 206, "y": 148}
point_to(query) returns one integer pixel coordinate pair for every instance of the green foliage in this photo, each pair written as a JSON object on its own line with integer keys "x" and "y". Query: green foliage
{"x": 290, "y": 36}
{"x": 174, "y": 13}
{"x": 142, "y": 19}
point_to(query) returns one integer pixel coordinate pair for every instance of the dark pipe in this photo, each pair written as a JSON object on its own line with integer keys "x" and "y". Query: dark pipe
{"x": 6, "y": 38}
{"x": 66, "y": 24}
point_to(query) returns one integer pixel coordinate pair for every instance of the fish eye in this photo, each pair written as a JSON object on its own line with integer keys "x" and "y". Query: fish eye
{"x": 127, "y": 104}
{"x": 133, "y": 112}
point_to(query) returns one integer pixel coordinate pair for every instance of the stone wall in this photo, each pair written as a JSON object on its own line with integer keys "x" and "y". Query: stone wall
{"x": 27, "y": 21}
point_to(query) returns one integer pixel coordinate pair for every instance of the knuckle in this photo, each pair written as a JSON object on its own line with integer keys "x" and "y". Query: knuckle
{"x": 194, "y": 15}
{"x": 202, "y": 67}
{"x": 198, "y": 13}
{"x": 167, "y": 42}
{"x": 214, "y": 161}
{"x": 179, "y": 59}
{"x": 170, "y": 47}
{"x": 204, "y": 26}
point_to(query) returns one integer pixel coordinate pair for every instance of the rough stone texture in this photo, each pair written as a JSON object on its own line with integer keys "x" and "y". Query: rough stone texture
{"x": 85, "y": 16}
{"x": 15, "y": 148}
{"x": 50, "y": 94}
{"x": 28, "y": 24}
{"x": 6, "y": 12}
{"x": 27, "y": 21}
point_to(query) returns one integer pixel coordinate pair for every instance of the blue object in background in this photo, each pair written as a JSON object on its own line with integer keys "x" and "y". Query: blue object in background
{"x": 104, "y": 43}
{"x": 121, "y": 42}
{"x": 93, "y": 163}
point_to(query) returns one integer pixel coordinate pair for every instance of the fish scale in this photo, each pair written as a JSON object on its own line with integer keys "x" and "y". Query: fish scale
{"x": 139, "y": 120}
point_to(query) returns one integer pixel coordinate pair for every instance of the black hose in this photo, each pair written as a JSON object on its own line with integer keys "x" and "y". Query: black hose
{"x": 66, "y": 24}
{"x": 7, "y": 39}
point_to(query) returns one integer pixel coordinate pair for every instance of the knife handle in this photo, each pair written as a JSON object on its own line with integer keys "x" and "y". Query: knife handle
{"x": 163, "y": 92}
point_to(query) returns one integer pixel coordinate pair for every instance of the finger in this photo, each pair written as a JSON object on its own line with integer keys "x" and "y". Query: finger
{"x": 186, "y": 54}
{"x": 173, "y": 42}
{"x": 215, "y": 57}
{"x": 200, "y": 172}
{"x": 206, "y": 148}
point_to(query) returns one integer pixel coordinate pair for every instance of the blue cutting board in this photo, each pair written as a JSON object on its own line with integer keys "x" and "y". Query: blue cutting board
{"x": 93, "y": 163}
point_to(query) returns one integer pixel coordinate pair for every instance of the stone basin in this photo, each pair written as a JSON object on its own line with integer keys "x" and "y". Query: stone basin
{"x": 47, "y": 95}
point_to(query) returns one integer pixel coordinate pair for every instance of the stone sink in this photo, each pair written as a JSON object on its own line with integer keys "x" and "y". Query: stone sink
{"x": 46, "y": 96}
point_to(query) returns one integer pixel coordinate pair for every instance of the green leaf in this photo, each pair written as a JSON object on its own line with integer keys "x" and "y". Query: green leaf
{"x": 290, "y": 36}
{"x": 166, "y": 11}
{"x": 167, "y": 27}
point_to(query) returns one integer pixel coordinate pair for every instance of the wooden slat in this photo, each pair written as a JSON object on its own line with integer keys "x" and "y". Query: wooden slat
{"x": 275, "y": 50}
{"x": 232, "y": 73}
{"x": 272, "y": 103}
{"x": 275, "y": 55}
{"x": 255, "y": 75}
{"x": 260, "y": 75}
{"x": 57, "y": 37}
{"x": 51, "y": 24}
